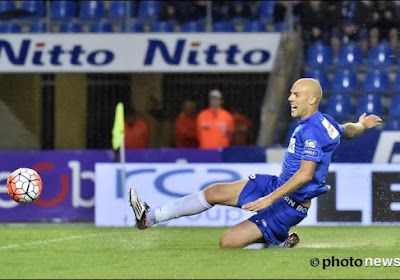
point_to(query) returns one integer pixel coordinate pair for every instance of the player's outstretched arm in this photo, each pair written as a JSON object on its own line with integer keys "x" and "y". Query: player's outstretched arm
{"x": 365, "y": 122}
{"x": 299, "y": 179}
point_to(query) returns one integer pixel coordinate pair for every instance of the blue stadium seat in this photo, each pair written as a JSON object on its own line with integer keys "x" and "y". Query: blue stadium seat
{"x": 350, "y": 56}
{"x": 133, "y": 27}
{"x": 38, "y": 27}
{"x": 339, "y": 106}
{"x": 118, "y": 10}
{"x": 345, "y": 81}
{"x": 376, "y": 82}
{"x": 254, "y": 26}
{"x": 101, "y": 27}
{"x": 10, "y": 27}
{"x": 319, "y": 56}
{"x": 321, "y": 76}
{"x": 396, "y": 86}
{"x": 281, "y": 26}
{"x": 162, "y": 26}
{"x": 223, "y": 26}
{"x": 62, "y": 10}
{"x": 7, "y": 6}
{"x": 267, "y": 10}
{"x": 148, "y": 11}
{"x": 71, "y": 27}
{"x": 370, "y": 104}
{"x": 391, "y": 125}
{"x": 394, "y": 109}
{"x": 381, "y": 56}
{"x": 91, "y": 10}
{"x": 37, "y": 8}
{"x": 192, "y": 26}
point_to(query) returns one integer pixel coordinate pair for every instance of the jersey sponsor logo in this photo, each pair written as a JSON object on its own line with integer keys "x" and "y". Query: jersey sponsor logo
{"x": 332, "y": 131}
{"x": 311, "y": 153}
{"x": 292, "y": 145}
{"x": 310, "y": 143}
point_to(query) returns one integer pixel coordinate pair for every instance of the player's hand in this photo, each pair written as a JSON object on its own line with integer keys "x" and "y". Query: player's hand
{"x": 370, "y": 121}
{"x": 258, "y": 204}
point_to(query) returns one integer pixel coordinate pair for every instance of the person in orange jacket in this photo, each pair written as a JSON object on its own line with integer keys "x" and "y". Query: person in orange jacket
{"x": 185, "y": 126}
{"x": 214, "y": 124}
{"x": 136, "y": 131}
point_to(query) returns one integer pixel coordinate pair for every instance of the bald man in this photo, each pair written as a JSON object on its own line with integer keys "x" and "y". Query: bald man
{"x": 280, "y": 201}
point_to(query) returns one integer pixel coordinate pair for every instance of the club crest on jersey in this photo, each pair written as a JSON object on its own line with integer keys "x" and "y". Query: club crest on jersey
{"x": 310, "y": 143}
{"x": 332, "y": 131}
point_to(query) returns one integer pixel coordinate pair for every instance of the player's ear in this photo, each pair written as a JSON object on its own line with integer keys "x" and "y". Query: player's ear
{"x": 313, "y": 99}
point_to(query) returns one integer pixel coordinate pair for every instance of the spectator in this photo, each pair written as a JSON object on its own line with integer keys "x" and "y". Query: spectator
{"x": 159, "y": 124}
{"x": 222, "y": 10}
{"x": 185, "y": 126}
{"x": 383, "y": 18}
{"x": 241, "y": 132}
{"x": 394, "y": 40}
{"x": 281, "y": 7}
{"x": 136, "y": 131}
{"x": 246, "y": 10}
{"x": 352, "y": 23}
{"x": 215, "y": 124}
{"x": 182, "y": 11}
{"x": 313, "y": 19}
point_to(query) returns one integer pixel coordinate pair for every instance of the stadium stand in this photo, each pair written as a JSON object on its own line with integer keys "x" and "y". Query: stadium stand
{"x": 132, "y": 27}
{"x": 376, "y": 82}
{"x": 38, "y": 27}
{"x": 370, "y": 104}
{"x": 71, "y": 27}
{"x": 223, "y": 26}
{"x": 193, "y": 26}
{"x": 91, "y": 10}
{"x": 319, "y": 56}
{"x": 350, "y": 56}
{"x": 162, "y": 26}
{"x": 254, "y": 26}
{"x": 10, "y": 27}
{"x": 62, "y": 11}
{"x": 118, "y": 11}
{"x": 101, "y": 27}
{"x": 345, "y": 81}
{"x": 339, "y": 107}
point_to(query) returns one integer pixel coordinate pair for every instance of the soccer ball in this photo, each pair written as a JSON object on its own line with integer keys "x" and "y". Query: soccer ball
{"x": 24, "y": 185}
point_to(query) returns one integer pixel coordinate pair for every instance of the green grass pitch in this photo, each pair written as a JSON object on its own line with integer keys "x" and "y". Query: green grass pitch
{"x": 84, "y": 251}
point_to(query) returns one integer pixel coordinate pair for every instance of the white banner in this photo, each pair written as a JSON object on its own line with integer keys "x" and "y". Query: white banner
{"x": 160, "y": 183}
{"x": 148, "y": 52}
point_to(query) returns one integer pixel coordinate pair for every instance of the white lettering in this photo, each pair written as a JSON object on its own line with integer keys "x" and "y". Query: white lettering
{"x": 385, "y": 145}
{"x": 77, "y": 200}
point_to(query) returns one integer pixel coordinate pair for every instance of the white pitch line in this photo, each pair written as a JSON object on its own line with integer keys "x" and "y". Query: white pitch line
{"x": 68, "y": 238}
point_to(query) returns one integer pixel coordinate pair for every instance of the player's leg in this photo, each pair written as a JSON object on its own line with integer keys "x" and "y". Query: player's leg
{"x": 220, "y": 193}
{"x": 241, "y": 235}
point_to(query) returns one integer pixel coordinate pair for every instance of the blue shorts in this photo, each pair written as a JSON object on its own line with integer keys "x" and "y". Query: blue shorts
{"x": 276, "y": 220}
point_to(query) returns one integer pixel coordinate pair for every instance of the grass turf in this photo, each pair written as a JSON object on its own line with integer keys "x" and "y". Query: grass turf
{"x": 84, "y": 251}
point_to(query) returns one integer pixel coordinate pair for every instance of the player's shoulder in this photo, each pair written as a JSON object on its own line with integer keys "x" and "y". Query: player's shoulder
{"x": 324, "y": 126}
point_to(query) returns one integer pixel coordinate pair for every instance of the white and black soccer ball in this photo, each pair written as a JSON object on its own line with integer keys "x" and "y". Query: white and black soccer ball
{"x": 24, "y": 185}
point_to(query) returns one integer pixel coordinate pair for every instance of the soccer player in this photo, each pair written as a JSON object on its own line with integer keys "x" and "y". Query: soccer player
{"x": 280, "y": 202}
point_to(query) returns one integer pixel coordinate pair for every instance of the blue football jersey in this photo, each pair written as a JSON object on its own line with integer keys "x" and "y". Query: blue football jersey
{"x": 315, "y": 139}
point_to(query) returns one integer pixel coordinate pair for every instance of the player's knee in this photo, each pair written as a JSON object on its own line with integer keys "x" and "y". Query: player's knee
{"x": 214, "y": 193}
{"x": 226, "y": 242}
